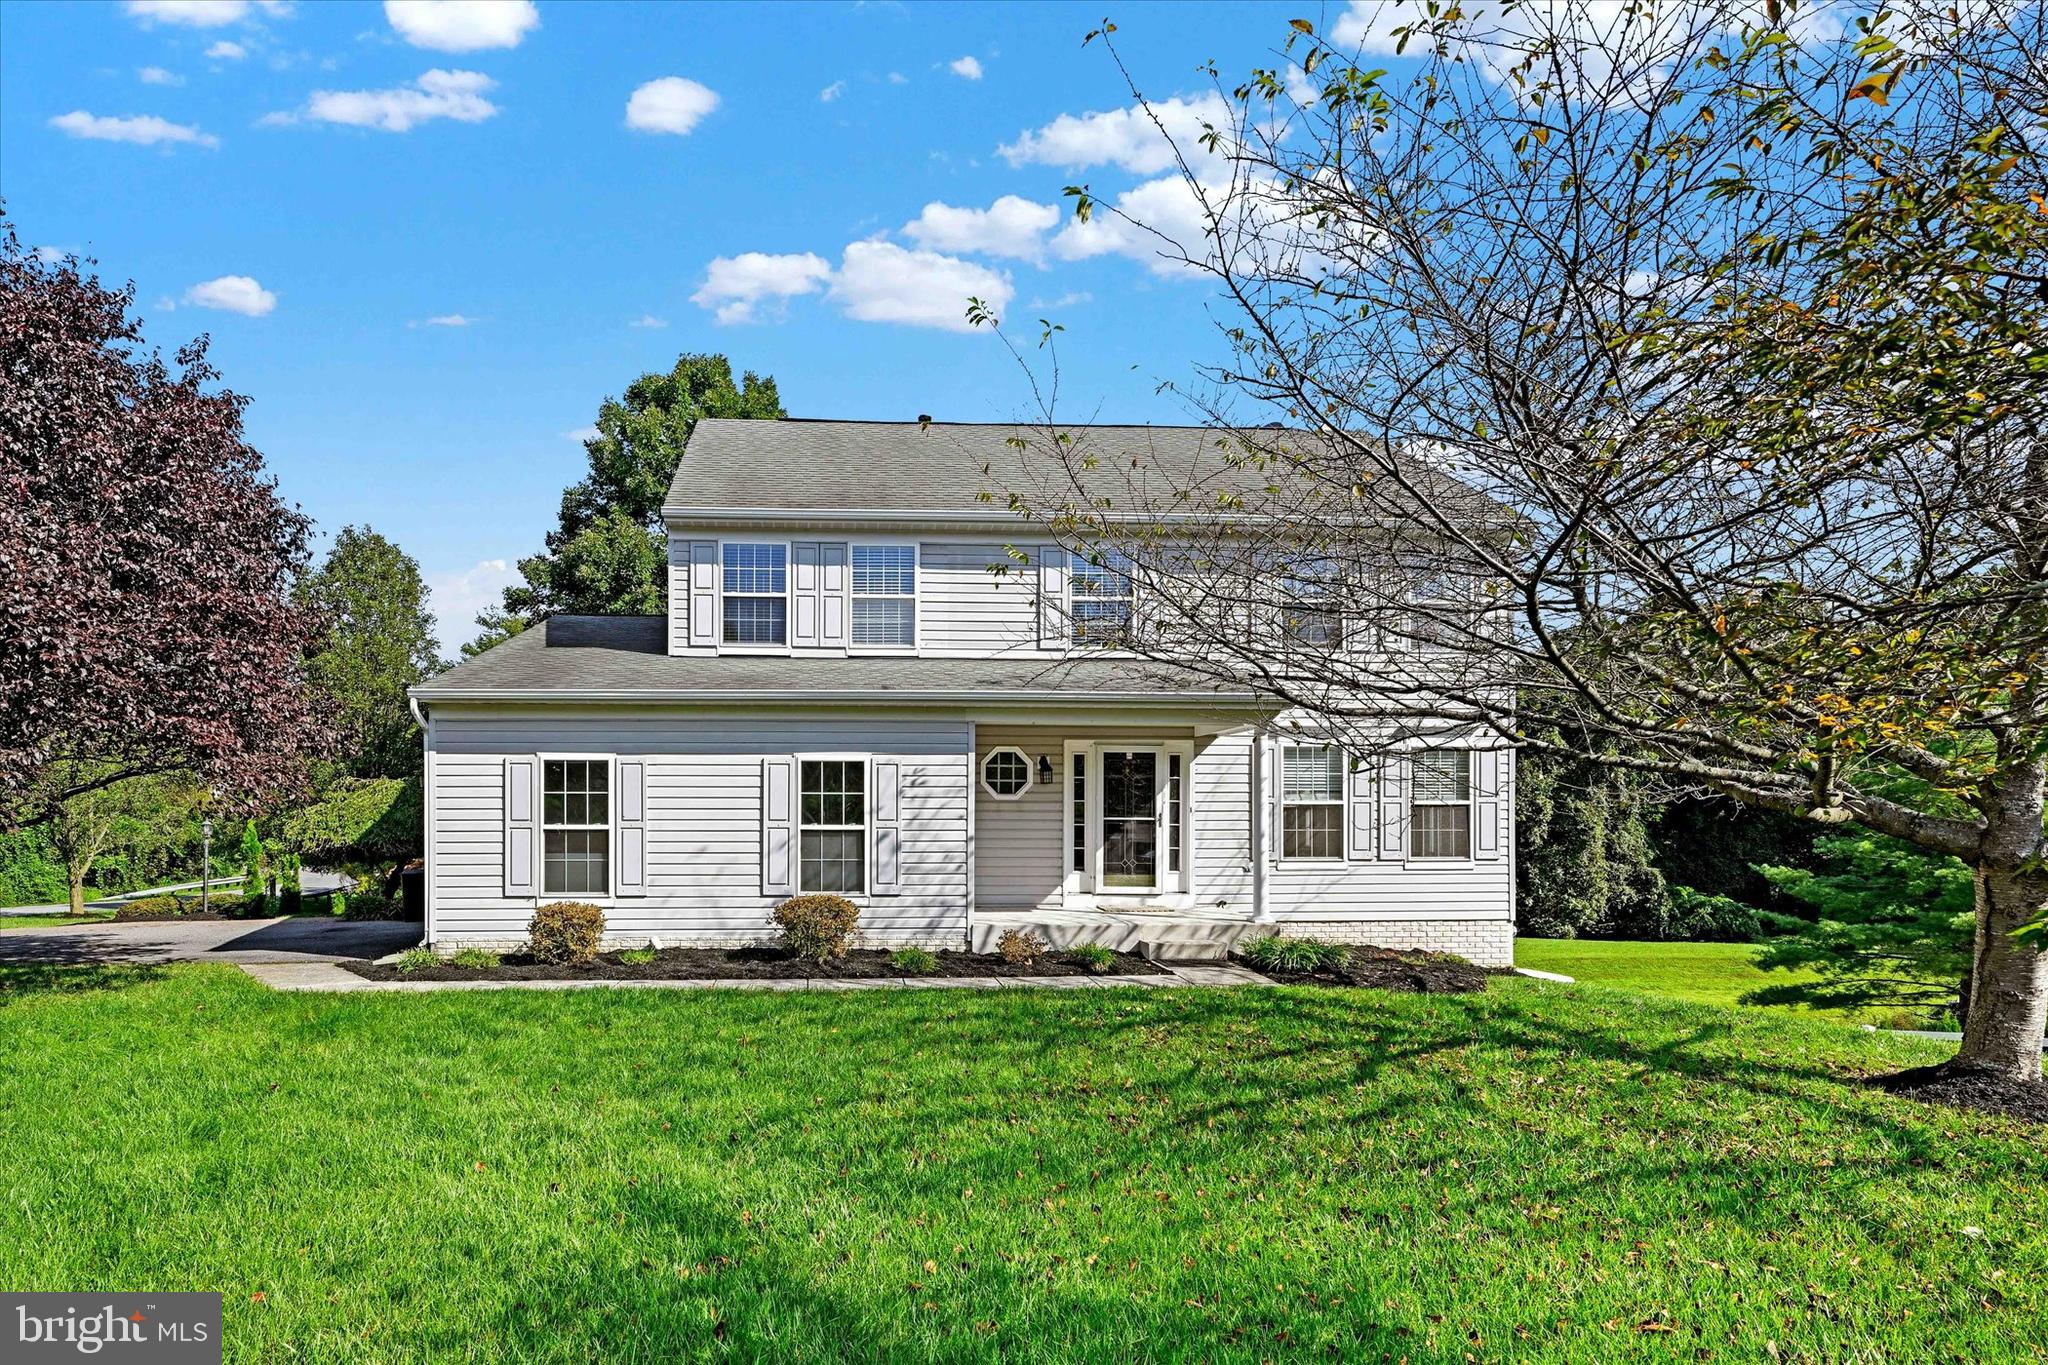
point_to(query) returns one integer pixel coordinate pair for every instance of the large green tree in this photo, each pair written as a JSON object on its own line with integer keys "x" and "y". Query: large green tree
{"x": 607, "y": 554}
{"x": 377, "y": 640}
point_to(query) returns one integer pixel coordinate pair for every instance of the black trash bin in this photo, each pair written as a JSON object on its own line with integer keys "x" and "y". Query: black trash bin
{"x": 412, "y": 892}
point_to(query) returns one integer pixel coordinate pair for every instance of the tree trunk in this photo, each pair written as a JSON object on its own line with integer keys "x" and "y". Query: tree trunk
{"x": 77, "y": 894}
{"x": 2009, "y": 981}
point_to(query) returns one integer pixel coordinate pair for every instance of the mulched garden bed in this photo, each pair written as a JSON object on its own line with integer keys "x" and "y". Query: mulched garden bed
{"x": 1384, "y": 969}
{"x": 743, "y": 964}
{"x": 1987, "y": 1094}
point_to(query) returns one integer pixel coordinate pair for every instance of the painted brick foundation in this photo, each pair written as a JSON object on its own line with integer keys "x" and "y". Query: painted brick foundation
{"x": 1485, "y": 942}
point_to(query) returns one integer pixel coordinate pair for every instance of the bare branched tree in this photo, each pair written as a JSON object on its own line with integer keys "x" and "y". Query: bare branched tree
{"x": 1666, "y": 376}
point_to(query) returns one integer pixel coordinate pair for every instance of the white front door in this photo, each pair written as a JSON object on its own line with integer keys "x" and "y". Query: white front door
{"x": 1133, "y": 809}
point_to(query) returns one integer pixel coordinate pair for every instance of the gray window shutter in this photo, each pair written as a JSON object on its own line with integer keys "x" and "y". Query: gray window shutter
{"x": 778, "y": 826}
{"x": 1393, "y": 809}
{"x": 1361, "y": 811}
{"x": 1486, "y": 784}
{"x": 832, "y": 595}
{"x": 886, "y": 876}
{"x": 519, "y": 828}
{"x": 632, "y": 827}
{"x": 803, "y": 566}
{"x": 1052, "y": 597}
{"x": 704, "y": 593}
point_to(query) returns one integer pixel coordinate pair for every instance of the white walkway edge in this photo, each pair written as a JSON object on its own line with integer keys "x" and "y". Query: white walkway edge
{"x": 1559, "y": 977}
{"x": 326, "y": 976}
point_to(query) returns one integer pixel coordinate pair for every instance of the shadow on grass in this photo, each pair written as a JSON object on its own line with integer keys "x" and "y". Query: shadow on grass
{"x": 19, "y": 981}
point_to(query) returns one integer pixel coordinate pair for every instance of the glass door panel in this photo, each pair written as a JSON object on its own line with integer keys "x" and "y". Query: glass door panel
{"x": 1130, "y": 820}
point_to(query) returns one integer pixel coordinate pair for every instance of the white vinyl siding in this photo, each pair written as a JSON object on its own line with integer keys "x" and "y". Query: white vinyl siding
{"x": 703, "y": 817}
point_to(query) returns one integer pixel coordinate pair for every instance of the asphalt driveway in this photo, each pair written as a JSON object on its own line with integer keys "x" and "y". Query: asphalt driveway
{"x": 303, "y": 939}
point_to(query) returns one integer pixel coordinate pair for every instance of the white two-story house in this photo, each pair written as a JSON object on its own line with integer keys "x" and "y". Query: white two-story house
{"x": 872, "y": 679}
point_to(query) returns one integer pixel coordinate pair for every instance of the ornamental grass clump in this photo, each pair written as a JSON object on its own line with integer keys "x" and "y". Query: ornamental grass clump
{"x": 1276, "y": 953}
{"x": 565, "y": 934}
{"x": 914, "y": 961}
{"x": 817, "y": 928}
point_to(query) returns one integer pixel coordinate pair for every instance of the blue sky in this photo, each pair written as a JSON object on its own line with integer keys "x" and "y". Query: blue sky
{"x": 426, "y": 244}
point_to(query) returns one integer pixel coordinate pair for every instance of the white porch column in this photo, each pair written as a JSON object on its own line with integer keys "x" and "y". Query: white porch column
{"x": 1260, "y": 913}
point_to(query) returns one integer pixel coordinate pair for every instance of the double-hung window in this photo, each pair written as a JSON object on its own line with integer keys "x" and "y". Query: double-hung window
{"x": 1311, "y": 801}
{"x": 1441, "y": 599}
{"x": 832, "y": 837}
{"x": 576, "y": 826}
{"x": 885, "y": 595}
{"x": 1311, "y": 610}
{"x": 756, "y": 583}
{"x": 1440, "y": 804}
{"x": 1100, "y": 586}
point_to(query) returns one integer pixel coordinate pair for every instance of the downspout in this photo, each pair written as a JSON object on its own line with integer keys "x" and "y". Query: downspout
{"x": 426, "y": 725}
{"x": 1258, "y": 840}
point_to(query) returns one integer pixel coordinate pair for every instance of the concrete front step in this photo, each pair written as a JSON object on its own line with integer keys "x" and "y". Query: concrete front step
{"x": 1158, "y": 937}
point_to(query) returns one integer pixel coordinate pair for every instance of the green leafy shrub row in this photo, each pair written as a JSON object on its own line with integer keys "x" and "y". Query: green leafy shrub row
{"x": 1278, "y": 953}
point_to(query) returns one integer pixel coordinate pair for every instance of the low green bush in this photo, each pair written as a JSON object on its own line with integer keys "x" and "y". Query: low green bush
{"x": 914, "y": 961}
{"x": 565, "y": 933}
{"x": 1092, "y": 956}
{"x": 154, "y": 907}
{"x": 369, "y": 905}
{"x": 637, "y": 957}
{"x": 480, "y": 959}
{"x": 417, "y": 959}
{"x": 1280, "y": 954}
{"x": 817, "y": 928}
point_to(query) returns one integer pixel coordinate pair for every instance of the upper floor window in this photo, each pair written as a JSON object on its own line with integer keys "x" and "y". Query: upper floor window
{"x": 756, "y": 593}
{"x": 576, "y": 827}
{"x": 1440, "y": 804}
{"x": 1100, "y": 586}
{"x": 885, "y": 595}
{"x": 1310, "y": 607}
{"x": 1443, "y": 598}
{"x": 1311, "y": 801}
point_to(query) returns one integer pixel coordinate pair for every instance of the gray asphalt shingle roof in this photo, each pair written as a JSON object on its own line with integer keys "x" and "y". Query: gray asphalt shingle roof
{"x": 813, "y": 465}
{"x": 628, "y": 654}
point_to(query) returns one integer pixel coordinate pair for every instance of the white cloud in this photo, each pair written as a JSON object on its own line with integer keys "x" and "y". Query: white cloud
{"x": 1162, "y": 221}
{"x": 832, "y": 92}
{"x": 462, "y": 25}
{"x": 233, "y": 294}
{"x": 146, "y": 129}
{"x": 735, "y": 286}
{"x": 457, "y": 95}
{"x": 1073, "y": 298}
{"x": 225, "y": 51}
{"x": 446, "y": 320}
{"x": 967, "y": 68}
{"x": 1011, "y": 226}
{"x": 1122, "y": 137}
{"x": 883, "y": 282}
{"x": 200, "y": 13}
{"x": 457, "y": 595}
{"x": 156, "y": 75}
{"x": 648, "y": 320}
{"x": 582, "y": 434}
{"x": 50, "y": 255}
{"x": 672, "y": 104}
{"x": 898, "y": 78}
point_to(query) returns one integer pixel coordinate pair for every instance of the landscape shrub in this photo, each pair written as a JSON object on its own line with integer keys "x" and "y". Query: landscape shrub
{"x": 479, "y": 959}
{"x": 1092, "y": 956}
{"x": 914, "y": 961}
{"x": 1021, "y": 947}
{"x": 1281, "y": 954}
{"x": 565, "y": 933}
{"x": 817, "y": 928}
{"x": 370, "y": 905}
{"x": 153, "y": 907}
{"x": 416, "y": 959}
{"x": 637, "y": 957}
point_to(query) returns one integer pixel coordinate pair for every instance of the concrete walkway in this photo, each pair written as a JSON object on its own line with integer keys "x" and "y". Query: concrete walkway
{"x": 325, "y": 976}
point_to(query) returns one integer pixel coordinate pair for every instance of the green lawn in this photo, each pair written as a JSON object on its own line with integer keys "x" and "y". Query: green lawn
{"x": 42, "y": 921}
{"x": 1541, "y": 1173}
{"x": 1704, "y": 973}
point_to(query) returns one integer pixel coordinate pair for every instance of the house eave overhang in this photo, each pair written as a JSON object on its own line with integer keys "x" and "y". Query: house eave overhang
{"x": 975, "y": 697}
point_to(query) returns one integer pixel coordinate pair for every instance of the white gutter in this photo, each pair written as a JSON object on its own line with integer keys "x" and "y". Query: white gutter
{"x": 969, "y": 697}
